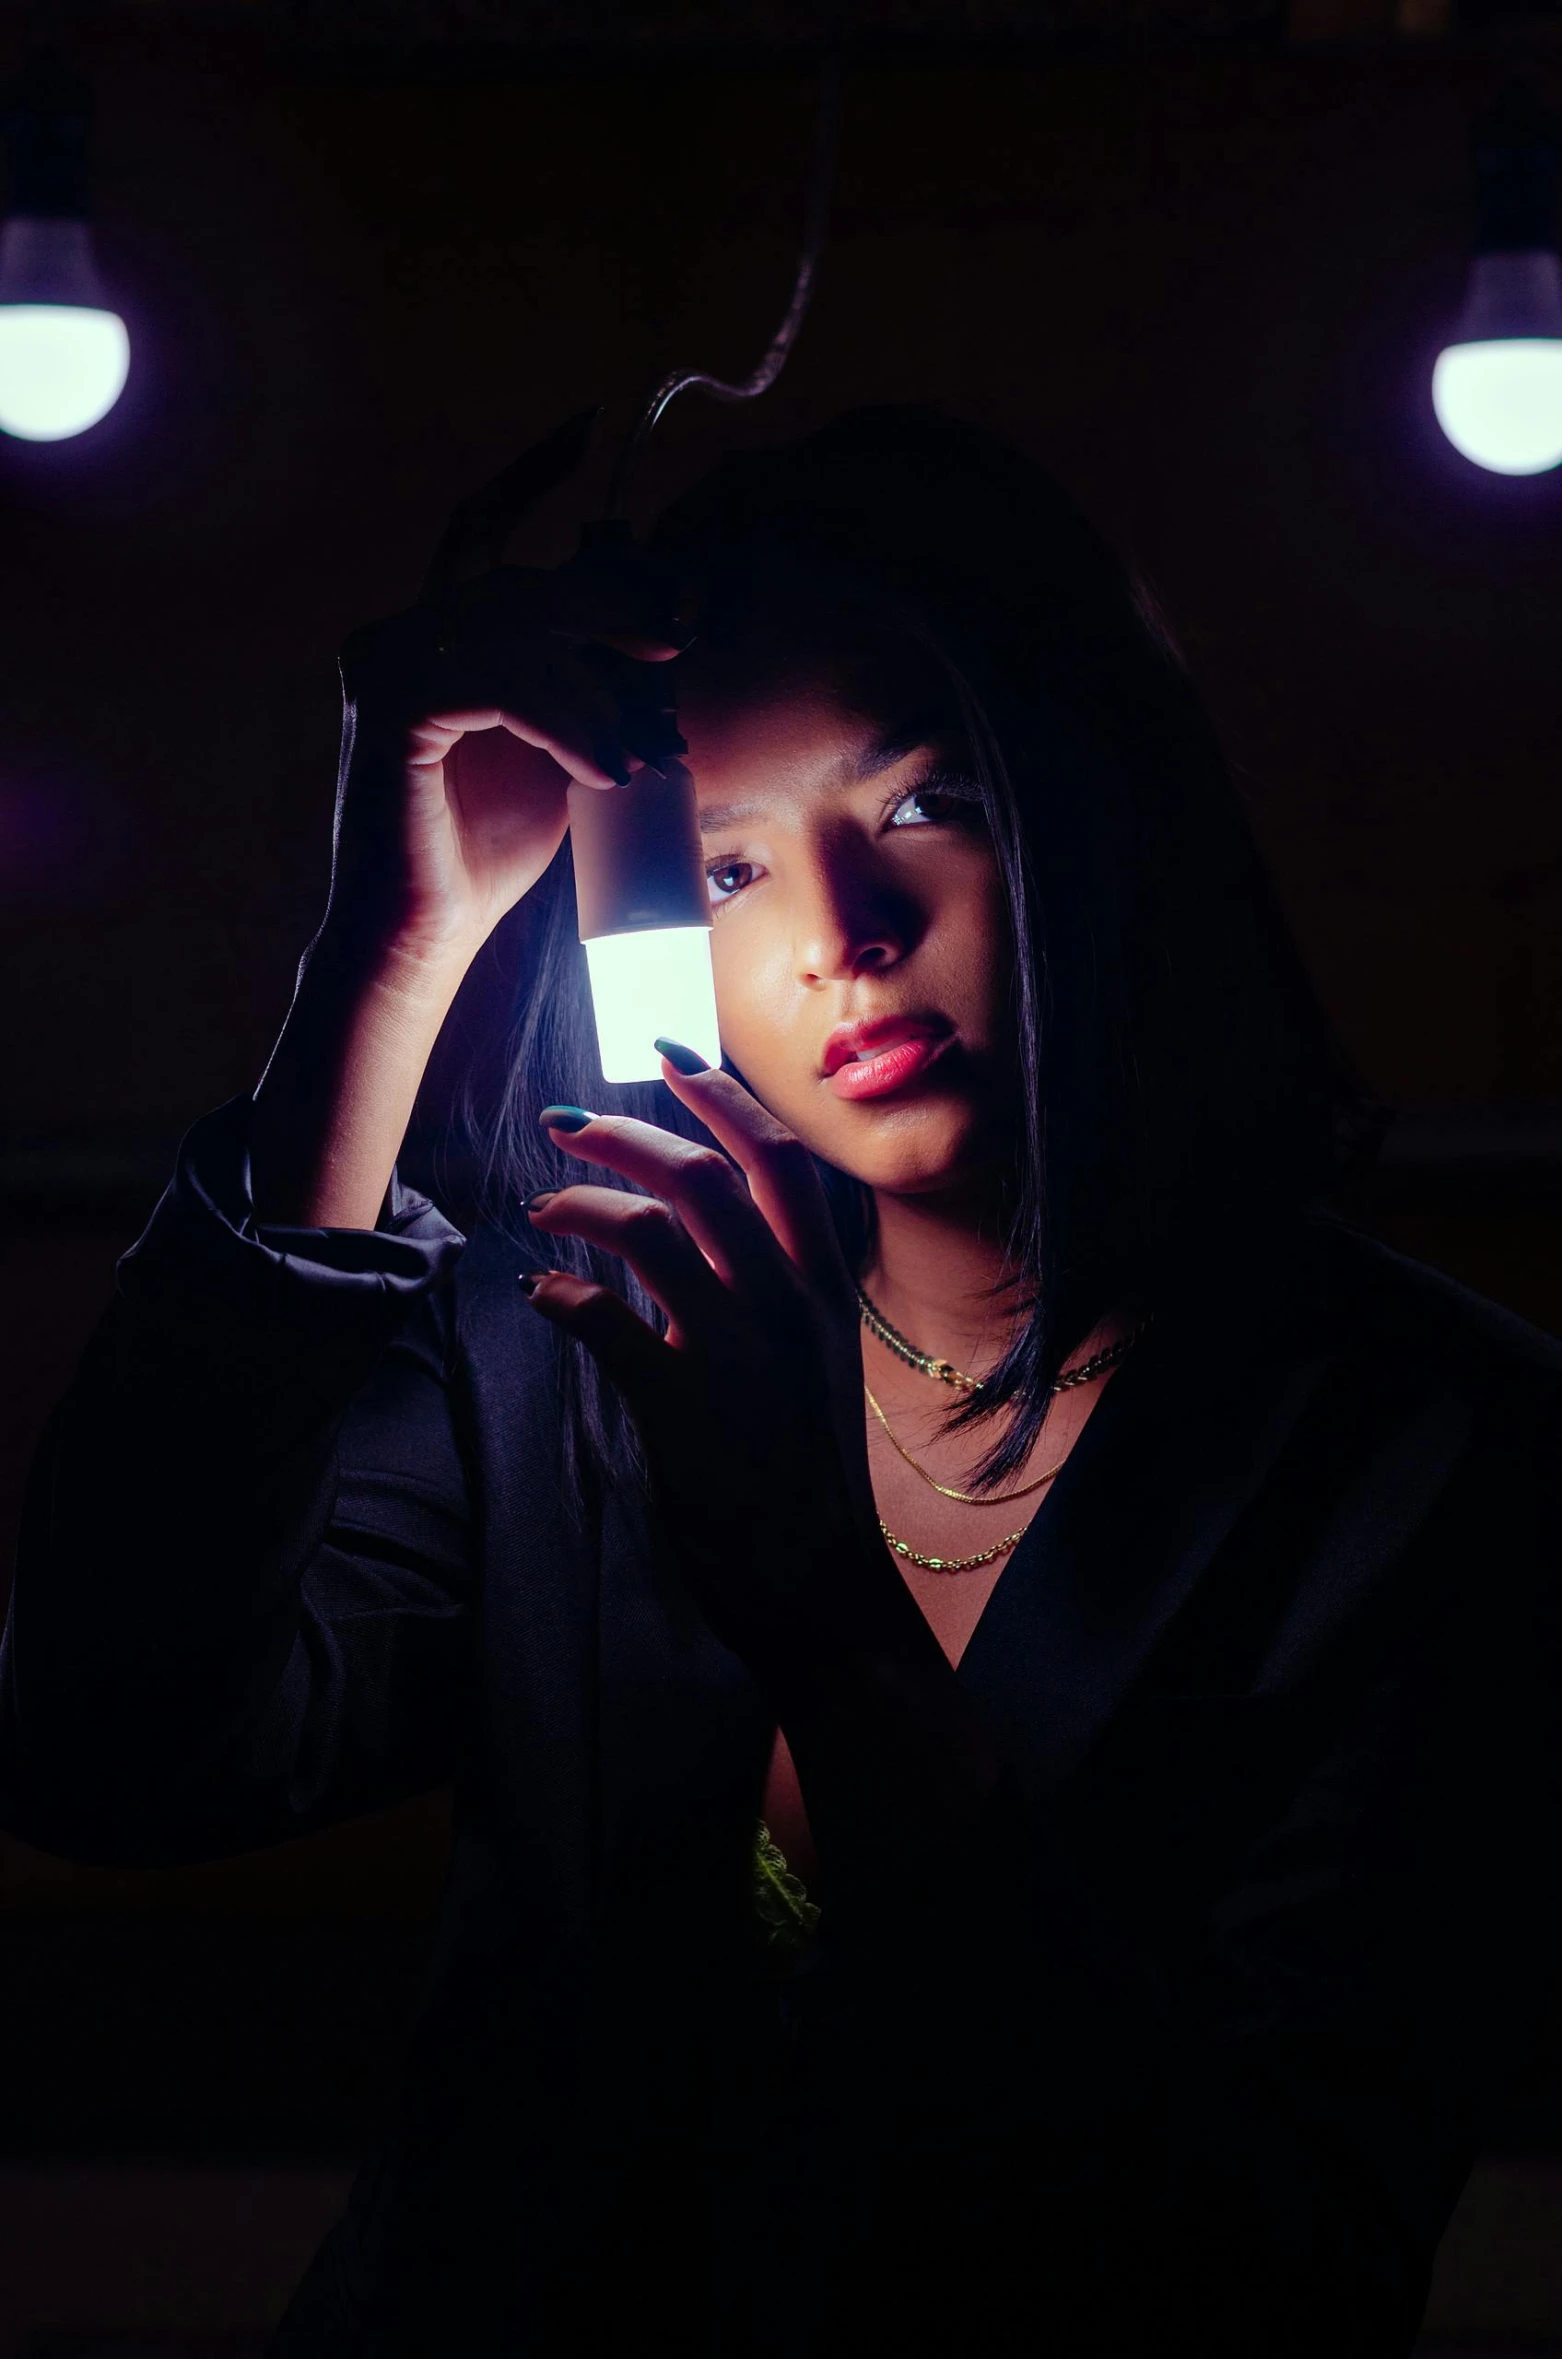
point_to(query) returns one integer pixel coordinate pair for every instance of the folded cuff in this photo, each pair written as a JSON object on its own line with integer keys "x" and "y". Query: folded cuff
{"x": 269, "y": 1295}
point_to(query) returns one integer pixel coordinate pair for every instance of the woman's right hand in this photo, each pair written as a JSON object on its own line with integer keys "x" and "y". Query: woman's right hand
{"x": 464, "y": 723}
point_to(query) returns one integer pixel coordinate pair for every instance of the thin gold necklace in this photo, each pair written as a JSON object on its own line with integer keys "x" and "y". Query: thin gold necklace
{"x": 955, "y": 1564}
{"x": 947, "y": 1373}
{"x": 966, "y": 1498}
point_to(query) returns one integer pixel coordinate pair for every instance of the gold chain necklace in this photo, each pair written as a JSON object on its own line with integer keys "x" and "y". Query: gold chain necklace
{"x": 947, "y": 1373}
{"x": 949, "y": 1564}
{"x": 955, "y": 1564}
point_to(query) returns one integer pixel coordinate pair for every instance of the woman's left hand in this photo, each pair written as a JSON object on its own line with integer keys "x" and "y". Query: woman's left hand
{"x": 750, "y": 1408}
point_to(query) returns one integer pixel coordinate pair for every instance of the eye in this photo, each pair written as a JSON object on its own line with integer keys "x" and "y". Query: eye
{"x": 959, "y": 802}
{"x": 720, "y": 868}
{"x": 960, "y": 798}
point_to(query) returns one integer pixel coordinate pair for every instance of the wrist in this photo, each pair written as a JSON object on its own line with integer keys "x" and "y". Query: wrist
{"x": 332, "y": 1107}
{"x": 420, "y": 966}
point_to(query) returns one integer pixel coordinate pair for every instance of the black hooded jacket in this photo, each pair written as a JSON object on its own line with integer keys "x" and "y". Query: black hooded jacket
{"x": 1187, "y": 2048}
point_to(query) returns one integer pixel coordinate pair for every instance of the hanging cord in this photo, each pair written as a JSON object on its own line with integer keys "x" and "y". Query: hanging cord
{"x": 821, "y": 184}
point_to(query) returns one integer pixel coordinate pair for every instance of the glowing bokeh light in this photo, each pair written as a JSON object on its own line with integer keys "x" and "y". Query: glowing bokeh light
{"x": 64, "y": 350}
{"x": 1501, "y": 404}
{"x": 62, "y": 368}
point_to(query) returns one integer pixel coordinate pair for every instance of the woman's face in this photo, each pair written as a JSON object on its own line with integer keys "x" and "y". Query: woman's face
{"x": 852, "y": 876}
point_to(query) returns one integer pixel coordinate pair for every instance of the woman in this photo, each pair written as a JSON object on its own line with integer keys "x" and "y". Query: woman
{"x": 997, "y": 1661}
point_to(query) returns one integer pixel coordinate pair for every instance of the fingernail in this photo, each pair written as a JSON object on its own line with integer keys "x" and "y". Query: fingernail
{"x": 684, "y": 1058}
{"x": 530, "y": 1280}
{"x": 565, "y": 1117}
{"x": 617, "y": 771}
{"x": 542, "y": 1196}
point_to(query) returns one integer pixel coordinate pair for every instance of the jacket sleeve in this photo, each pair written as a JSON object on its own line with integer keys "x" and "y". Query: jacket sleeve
{"x": 241, "y": 1601}
{"x": 1246, "y": 2135}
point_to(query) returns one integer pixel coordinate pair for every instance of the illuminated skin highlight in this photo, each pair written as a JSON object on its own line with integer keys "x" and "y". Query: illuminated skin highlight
{"x": 845, "y": 900}
{"x": 834, "y": 905}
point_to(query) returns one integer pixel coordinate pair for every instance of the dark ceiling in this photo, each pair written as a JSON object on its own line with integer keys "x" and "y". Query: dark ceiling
{"x": 457, "y": 33}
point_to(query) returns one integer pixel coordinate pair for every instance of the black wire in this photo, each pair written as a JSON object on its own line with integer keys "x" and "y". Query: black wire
{"x": 821, "y": 184}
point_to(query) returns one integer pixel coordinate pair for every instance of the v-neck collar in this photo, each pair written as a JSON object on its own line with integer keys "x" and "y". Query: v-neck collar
{"x": 1181, "y": 1439}
{"x": 1179, "y": 1442}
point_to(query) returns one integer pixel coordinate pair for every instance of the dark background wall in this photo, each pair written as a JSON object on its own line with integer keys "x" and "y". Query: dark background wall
{"x": 1204, "y": 280}
{"x": 1206, "y": 288}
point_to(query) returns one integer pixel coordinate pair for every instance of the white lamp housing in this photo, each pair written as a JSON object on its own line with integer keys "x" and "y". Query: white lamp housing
{"x": 64, "y": 351}
{"x": 1497, "y": 387}
{"x": 644, "y": 915}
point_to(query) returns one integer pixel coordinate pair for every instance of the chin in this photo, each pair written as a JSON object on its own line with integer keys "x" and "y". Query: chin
{"x": 906, "y": 1149}
{"x": 908, "y": 1145}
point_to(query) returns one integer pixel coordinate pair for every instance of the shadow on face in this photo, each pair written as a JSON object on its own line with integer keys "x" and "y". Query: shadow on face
{"x": 852, "y": 877}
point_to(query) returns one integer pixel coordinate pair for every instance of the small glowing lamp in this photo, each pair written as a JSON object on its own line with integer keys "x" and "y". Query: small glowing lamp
{"x": 640, "y": 891}
{"x": 64, "y": 350}
{"x": 644, "y": 915}
{"x": 1497, "y": 385}
{"x": 642, "y": 903}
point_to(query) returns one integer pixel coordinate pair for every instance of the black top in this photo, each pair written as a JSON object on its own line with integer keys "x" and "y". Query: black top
{"x": 1187, "y": 2048}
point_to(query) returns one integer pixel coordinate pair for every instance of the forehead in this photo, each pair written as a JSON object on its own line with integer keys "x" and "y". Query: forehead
{"x": 789, "y": 736}
{"x": 796, "y": 720}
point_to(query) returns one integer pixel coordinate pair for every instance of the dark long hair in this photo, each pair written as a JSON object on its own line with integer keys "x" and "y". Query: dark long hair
{"x": 1176, "y": 1078}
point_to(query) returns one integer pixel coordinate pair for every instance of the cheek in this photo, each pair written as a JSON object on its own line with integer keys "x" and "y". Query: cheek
{"x": 970, "y": 929}
{"x": 755, "y": 999}
{"x": 966, "y": 939}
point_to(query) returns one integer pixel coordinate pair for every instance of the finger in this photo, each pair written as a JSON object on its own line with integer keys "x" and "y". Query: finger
{"x": 604, "y": 763}
{"x": 482, "y": 523}
{"x": 632, "y": 1354}
{"x": 644, "y": 650}
{"x": 778, "y": 1168}
{"x": 556, "y": 703}
{"x": 610, "y": 569}
{"x": 642, "y": 625}
{"x": 521, "y": 599}
{"x": 431, "y": 741}
{"x": 708, "y": 1194}
{"x": 546, "y": 698}
{"x": 648, "y": 1234}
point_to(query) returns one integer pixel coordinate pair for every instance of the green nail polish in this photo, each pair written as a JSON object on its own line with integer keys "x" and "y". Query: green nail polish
{"x": 685, "y": 1059}
{"x": 565, "y": 1117}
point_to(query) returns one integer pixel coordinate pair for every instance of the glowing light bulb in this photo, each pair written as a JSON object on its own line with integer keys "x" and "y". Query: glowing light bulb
{"x": 655, "y": 985}
{"x": 644, "y": 916}
{"x": 1497, "y": 383}
{"x": 64, "y": 353}
{"x": 1497, "y": 387}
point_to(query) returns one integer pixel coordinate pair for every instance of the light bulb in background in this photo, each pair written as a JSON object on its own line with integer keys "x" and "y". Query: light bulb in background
{"x": 1497, "y": 388}
{"x": 643, "y": 913}
{"x": 64, "y": 353}
{"x": 1497, "y": 383}
{"x": 64, "y": 350}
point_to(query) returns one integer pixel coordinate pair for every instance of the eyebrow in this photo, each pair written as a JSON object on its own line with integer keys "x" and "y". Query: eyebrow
{"x": 852, "y": 770}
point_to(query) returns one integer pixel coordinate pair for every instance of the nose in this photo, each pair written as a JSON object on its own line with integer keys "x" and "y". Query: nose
{"x": 852, "y": 920}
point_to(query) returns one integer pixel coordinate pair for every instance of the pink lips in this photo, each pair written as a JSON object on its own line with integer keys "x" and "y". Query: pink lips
{"x": 872, "y": 1076}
